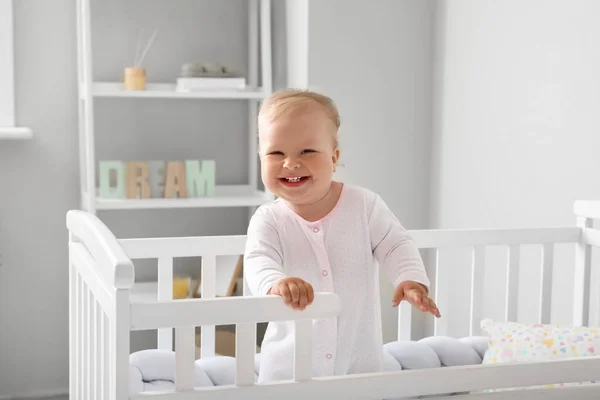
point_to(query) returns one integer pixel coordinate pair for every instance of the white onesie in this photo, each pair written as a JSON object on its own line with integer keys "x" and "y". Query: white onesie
{"x": 339, "y": 254}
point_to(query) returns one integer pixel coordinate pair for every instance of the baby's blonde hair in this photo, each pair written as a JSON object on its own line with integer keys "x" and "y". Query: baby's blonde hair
{"x": 287, "y": 100}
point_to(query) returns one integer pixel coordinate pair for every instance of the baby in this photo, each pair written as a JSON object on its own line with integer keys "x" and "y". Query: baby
{"x": 323, "y": 236}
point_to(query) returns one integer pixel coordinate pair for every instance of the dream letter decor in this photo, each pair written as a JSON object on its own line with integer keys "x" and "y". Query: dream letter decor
{"x": 157, "y": 179}
{"x": 200, "y": 180}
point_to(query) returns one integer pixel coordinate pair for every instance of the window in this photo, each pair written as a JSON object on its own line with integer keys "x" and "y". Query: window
{"x": 8, "y": 129}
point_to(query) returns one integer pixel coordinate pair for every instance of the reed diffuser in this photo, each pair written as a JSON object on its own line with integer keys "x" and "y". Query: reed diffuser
{"x": 134, "y": 78}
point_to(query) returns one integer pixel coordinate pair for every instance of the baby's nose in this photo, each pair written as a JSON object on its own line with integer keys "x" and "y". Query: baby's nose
{"x": 291, "y": 164}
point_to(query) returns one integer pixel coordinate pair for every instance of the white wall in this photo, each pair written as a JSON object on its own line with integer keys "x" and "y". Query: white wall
{"x": 516, "y": 127}
{"x": 376, "y": 64}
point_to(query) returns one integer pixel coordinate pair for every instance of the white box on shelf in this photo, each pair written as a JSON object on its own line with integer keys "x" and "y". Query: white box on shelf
{"x": 186, "y": 84}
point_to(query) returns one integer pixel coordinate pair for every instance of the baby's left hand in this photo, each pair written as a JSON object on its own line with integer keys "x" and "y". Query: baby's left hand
{"x": 416, "y": 294}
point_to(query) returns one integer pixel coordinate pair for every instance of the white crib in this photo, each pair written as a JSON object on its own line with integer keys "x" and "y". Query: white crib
{"x": 102, "y": 314}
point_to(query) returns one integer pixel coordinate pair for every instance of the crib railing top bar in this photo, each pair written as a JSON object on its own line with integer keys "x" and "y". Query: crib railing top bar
{"x": 195, "y": 246}
{"x": 192, "y": 246}
{"x": 103, "y": 247}
{"x": 491, "y": 237}
{"x": 227, "y": 311}
{"x": 587, "y": 209}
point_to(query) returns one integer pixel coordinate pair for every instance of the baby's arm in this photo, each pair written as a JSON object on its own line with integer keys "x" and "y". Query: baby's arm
{"x": 263, "y": 257}
{"x": 263, "y": 262}
{"x": 398, "y": 256}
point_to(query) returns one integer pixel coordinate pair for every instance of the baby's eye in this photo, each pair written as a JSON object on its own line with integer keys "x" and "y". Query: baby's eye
{"x": 275, "y": 153}
{"x": 308, "y": 151}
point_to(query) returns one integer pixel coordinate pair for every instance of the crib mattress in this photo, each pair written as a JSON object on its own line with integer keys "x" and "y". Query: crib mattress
{"x": 152, "y": 370}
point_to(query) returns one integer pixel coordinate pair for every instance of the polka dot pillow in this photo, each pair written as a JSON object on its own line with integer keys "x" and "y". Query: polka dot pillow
{"x": 514, "y": 342}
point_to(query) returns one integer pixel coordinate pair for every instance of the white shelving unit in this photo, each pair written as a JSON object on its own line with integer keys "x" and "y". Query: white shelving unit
{"x": 225, "y": 196}
{"x": 15, "y": 133}
{"x": 167, "y": 91}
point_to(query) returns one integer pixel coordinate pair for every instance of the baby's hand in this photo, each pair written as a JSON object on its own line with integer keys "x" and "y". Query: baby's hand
{"x": 295, "y": 292}
{"x": 416, "y": 294}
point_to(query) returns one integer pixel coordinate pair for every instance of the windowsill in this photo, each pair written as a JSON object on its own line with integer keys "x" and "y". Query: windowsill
{"x": 15, "y": 133}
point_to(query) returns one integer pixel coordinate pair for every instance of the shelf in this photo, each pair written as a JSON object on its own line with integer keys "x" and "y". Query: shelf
{"x": 167, "y": 91}
{"x": 225, "y": 196}
{"x": 15, "y": 133}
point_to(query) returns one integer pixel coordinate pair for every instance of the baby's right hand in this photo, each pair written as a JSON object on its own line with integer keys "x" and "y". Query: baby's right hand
{"x": 295, "y": 292}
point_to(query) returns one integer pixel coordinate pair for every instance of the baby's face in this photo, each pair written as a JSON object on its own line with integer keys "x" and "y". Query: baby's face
{"x": 298, "y": 156}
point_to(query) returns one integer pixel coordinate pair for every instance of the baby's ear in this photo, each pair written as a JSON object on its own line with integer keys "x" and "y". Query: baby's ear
{"x": 336, "y": 156}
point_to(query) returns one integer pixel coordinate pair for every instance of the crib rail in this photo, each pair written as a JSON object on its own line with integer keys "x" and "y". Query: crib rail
{"x": 185, "y": 315}
{"x": 434, "y": 238}
{"x": 227, "y": 311}
{"x": 101, "y": 314}
{"x": 478, "y": 240}
{"x": 113, "y": 264}
{"x": 100, "y": 276}
{"x": 165, "y": 250}
{"x": 173, "y": 247}
{"x": 413, "y": 383}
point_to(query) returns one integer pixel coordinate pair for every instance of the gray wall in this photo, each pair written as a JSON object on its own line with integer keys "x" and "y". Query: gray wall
{"x": 376, "y": 64}
{"x": 39, "y": 183}
{"x": 40, "y": 179}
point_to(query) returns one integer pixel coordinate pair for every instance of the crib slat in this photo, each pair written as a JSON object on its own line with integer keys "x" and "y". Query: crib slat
{"x": 477, "y": 285}
{"x": 105, "y": 361}
{"x": 101, "y": 354}
{"x": 78, "y": 339}
{"x": 90, "y": 349}
{"x": 546, "y": 287}
{"x": 512, "y": 282}
{"x": 583, "y": 268}
{"x": 94, "y": 350}
{"x": 72, "y": 320}
{"x": 86, "y": 336}
{"x": 245, "y": 348}
{"x": 184, "y": 358}
{"x": 303, "y": 350}
{"x": 405, "y": 314}
{"x": 209, "y": 276}
{"x": 208, "y": 288}
{"x": 87, "y": 270}
{"x": 120, "y": 344}
{"x": 208, "y": 338}
{"x": 165, "y": 292}
{"x": 442, "y": 279}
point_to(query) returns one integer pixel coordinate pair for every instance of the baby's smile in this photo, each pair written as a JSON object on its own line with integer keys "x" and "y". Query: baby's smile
{"x": 294, "y": 181}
